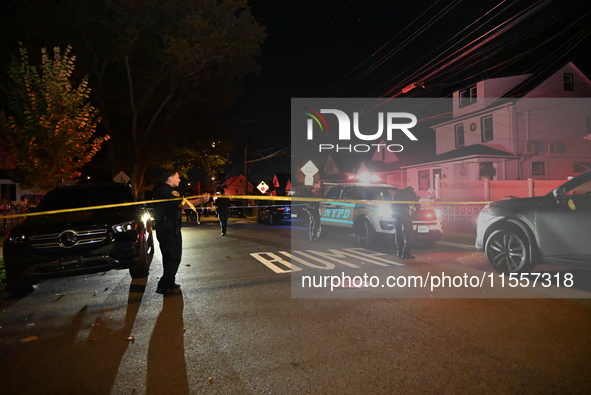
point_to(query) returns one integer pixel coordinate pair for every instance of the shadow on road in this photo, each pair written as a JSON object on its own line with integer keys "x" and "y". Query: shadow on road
{"x": 167, "y": 370}
{"x": 56, "y": 351}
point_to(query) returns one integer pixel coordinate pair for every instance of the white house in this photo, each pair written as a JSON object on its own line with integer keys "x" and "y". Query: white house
{"x": 513, "y": 128}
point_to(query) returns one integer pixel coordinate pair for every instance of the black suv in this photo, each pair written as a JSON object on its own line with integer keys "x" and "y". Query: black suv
{"x": 74, "y": 240}
{"x": 274, "y": 213}
{"x": 520, "y": 233}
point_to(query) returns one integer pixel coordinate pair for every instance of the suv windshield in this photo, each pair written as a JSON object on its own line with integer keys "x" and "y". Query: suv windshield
{"x": 362, "y": 192}
{"x": 581, "y": 189}
{"x": 85, "y": 196}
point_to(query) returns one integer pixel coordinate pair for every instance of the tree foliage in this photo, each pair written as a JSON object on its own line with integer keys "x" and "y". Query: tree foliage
{"x": 50, "y": 124}
{"x": 160, "y": 70}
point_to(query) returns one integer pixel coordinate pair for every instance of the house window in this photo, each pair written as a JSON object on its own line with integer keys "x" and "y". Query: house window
{"x": 486, "y": 127}
{"x": 487, "y": 171}
{"x": 538, "y": 168}
{"x": 459, "y": 135}
{"x": 468, "y": 96}
{"x": 8, "y": 192}
{"x": 424, "y": 180}
{"x": 568, "y": 81}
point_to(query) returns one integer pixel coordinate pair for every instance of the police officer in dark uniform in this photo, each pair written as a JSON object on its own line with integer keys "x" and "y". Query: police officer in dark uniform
{"x": 223, "y": 204}
{"x": 313, "y": 209}
{"x": 168, "y": 215}
{"x": 402, "y": 218}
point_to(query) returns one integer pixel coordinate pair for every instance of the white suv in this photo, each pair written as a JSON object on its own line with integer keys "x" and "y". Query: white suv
{"x": 365, "y": 209}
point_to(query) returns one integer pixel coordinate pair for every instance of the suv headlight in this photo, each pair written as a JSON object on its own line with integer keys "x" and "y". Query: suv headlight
{"x": 15, "y": 238}
{"x": 483, "y": 217}
{"x": 125, "y": 227}
{"x": 385, "y": 211}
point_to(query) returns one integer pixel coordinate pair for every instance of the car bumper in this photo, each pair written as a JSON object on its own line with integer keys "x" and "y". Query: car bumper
{"x": 27, "y": 264}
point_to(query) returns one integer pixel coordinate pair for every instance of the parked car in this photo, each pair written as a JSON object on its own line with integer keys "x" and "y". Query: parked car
{"x": 78, "y": 240}
{"x": 274, "y": 213}
{"x": 520, "y": 233}
{"x": 237, "y": 209}
{"x": 372, "y": 217}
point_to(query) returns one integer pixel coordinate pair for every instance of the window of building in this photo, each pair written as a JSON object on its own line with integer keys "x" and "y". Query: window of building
{"x": 538, "y": 168}
{"x": 424, "y": 180}
{"x": 486, "y": 125}
{"x": 568, "y": 81}
{"x": 487, "y": 171}
{"x": 468, "y": 96}
{"x": 8, "y": 192}
{"x": 459, "y": 135}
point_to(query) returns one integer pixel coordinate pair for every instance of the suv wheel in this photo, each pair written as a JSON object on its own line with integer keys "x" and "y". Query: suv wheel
{"x": 19, "y": 287}
{"x": 508, "y": 252}
{"x": 141, "y": 267}
{"x": 365, "y": 234}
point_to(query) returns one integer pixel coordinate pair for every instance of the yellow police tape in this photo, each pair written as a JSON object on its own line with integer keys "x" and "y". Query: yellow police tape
{"x": 185, "y": 201}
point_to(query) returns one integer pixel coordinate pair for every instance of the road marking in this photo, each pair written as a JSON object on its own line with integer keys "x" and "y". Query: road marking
{"x": 283, "y": 261}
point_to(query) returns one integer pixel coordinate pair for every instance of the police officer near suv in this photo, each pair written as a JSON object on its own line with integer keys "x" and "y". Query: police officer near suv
{"x": 313, "y": 209}
{"x": 402, "y": 218}
{"x": 168, "y": 217}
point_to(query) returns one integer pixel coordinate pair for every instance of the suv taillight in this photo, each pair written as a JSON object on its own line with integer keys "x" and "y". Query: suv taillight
{"x": 427, "y": 215}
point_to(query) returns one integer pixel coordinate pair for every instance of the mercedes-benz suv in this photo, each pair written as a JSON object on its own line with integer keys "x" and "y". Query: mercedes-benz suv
{"x": 76, "y": 230}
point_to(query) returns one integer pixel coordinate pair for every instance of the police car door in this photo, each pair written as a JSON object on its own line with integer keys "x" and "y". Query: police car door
{"x": 336, "y": 213}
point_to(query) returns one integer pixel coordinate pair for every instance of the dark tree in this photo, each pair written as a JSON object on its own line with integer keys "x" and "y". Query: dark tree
{"x": 159, "y": 69}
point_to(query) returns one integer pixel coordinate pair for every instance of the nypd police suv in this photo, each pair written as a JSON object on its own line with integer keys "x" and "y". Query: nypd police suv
{"x": 365, "y": 210}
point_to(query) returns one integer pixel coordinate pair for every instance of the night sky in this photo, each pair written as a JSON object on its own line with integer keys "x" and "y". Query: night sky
{"x": 358, "y": 48}
{"x": 369, "y": 48}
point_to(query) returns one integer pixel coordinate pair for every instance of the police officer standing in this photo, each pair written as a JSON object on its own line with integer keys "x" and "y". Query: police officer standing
{"x": 313, "y": 209}
{"x": 223, "y": 204}
{"x": 168, "y": 217}
{"x": 402, "y": 218}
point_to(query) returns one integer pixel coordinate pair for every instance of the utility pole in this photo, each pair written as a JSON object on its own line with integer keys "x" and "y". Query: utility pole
{"x": 246, "y": 167}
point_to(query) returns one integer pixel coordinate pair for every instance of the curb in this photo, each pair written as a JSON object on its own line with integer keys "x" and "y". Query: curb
{"x": 458, "y": 245}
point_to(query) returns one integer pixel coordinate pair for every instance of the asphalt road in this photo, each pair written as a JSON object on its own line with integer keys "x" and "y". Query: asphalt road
{"x": 243, "y": 325}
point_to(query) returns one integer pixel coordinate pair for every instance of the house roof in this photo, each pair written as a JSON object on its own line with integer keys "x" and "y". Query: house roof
{"x": 475, "y": 150}
{"x": 282, "y": 179}
{"x": 535, "y": 80}
{"x": 231, "y": 180}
